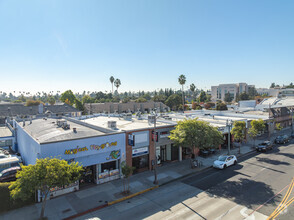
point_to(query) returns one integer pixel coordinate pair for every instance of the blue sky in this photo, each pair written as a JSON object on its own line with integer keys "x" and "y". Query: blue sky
{"x": 78, "y": 45}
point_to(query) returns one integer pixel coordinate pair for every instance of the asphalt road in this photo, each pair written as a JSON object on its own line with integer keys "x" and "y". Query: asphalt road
{"x": 253, "y": 186}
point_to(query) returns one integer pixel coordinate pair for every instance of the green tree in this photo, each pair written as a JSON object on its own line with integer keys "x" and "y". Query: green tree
{"x": 244, "y": 96}
{"x": 257, "y": 126}
{"x": 79, "y": 105}
{"x": 273, "y": 85}
{"x": 173, "y": 101}
{"x": 44, "y": 175}
{"x": 202, "y": 96}
{"x": 220, "y": 106}
{"x": 278, "y": 127}
{"x": 182, "y": 81}
{"x": 68, "y": 95}
{"x": 252, "y": 92}
{"x": 159, "y": 98}
{"x": 51, "y": 100}
{"x": 140, "y": 99}
{"x": 239, "y": 132}
{"x": 193, "y": 88}
{"x": 33, "y": 103}
{"x": 117, "y": 84}
{"x": 127, "y": 172}
{"x": 228, "y": 97}
{"x": 111, "y": 80}
{"x": 192, "y": 133}
{"x": 87, "y": 99}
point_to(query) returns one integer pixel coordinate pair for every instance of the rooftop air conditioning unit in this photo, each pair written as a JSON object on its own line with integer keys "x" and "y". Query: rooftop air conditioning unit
{"x": 151, "y": 119}
{"x": 128, "y": 116}
{"x": 111, "y": 124}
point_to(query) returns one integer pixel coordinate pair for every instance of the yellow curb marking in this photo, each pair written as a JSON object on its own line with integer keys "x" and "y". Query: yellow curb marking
{"x": 131, "y": 196}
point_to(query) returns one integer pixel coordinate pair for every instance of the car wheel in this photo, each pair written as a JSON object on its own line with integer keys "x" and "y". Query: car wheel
{"x": 235, "y": 162}
{"x": 225, "y": 166}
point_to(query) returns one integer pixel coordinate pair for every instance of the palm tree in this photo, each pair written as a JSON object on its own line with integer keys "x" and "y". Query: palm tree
{"x": 192, "y": 88}
{"x": 182, "y": 81}
{"x": 111, "y": 80}
{"x": 117, "y": 83}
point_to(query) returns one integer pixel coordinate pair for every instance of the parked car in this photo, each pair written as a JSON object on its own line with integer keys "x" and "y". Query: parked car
{"x": 3, "y": 156}
{"x": 282, "y": 139}
{"x": 9, "y": 174}
{"x": 225, "y": 161}
{"x": 264, "y": 146}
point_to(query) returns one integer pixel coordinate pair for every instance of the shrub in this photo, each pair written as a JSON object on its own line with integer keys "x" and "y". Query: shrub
{"x": 6, "y": 203}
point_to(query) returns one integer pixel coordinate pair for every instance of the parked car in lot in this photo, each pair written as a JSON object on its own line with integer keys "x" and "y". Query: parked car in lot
{"x": 282, "y": 139}
{"x": 264, "y": 146}
{"x": 9, "y": 174}
{"x": 225, "y": 161}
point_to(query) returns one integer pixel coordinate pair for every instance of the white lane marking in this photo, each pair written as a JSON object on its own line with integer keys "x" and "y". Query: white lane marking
{"x": 227, "y": 212}
{"x": 242, "y": 212}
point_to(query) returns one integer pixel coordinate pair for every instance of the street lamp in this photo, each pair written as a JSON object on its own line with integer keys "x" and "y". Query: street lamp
{"x": 154, "y": 143}
{"x": 292, "y": 133}
{"x": 229, "y": 124}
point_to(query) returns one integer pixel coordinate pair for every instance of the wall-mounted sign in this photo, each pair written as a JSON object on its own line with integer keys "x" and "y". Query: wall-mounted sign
{"x": 131, "y": 140}
{"x": 164, "y": 134}
{"x": 115, "y": 154}
{"x": 92, "y": 147}
{"x": 140, "y": 151}
{"x": 155, "y": 136}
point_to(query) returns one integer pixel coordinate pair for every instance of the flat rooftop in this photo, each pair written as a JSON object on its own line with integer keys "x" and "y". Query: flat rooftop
{"x": 5, "y": 132}
{"x": 47, "y": 131}
{"x": 126, "y": 125}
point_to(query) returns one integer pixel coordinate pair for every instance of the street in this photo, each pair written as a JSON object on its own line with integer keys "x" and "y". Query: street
{"x": 233, "y": 193}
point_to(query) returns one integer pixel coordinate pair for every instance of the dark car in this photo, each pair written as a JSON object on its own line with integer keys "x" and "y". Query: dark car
{"x": 9, "y": 174}
{"x": 282, "y": 139}
{"x": 264, "y": 146}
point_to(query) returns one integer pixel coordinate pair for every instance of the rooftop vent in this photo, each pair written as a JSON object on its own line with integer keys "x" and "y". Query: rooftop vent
{"x": 111, "y": 124}
{"x": 128, "y": 116}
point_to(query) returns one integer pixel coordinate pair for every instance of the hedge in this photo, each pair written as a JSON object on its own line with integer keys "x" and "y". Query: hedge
{"x": 7, "y": 203}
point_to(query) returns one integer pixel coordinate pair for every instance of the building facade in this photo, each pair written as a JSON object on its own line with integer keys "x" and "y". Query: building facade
{"x": 219, "y": 92}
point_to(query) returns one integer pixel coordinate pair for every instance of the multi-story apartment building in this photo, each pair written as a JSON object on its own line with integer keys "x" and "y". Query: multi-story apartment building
{"x": 218, "y": 92}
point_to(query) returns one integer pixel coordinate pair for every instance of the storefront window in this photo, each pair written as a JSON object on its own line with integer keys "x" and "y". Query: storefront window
{"x": 141, "y": 162}
{"x": 108, "y": 166}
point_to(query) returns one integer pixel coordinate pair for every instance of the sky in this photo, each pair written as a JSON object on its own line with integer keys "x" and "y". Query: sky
{"x": 50, "y": 45}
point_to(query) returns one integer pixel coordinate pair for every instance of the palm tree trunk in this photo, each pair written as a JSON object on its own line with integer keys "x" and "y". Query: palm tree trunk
{"x": 112, "y": 87}
{"x": 183, "y": 97}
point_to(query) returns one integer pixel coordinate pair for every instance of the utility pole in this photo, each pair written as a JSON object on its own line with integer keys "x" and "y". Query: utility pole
{"x": 229, "y": 125}
{"x": 155, "y": 158}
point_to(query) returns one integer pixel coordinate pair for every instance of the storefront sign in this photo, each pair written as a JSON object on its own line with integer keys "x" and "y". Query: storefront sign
{"x": 140, "y": 151}
{"x": 115, "y": 154}
{"x": 76, "y": 150}
{"x": 155, "y": 136}
{"x": 102, "y": 146}
{"x": 164, "y": 134}
{"x": 92, "y": 147}
{"x": 131, "y": 140}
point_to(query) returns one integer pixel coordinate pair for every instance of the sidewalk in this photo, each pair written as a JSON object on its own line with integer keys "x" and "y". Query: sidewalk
{"x": 102, "y": 195}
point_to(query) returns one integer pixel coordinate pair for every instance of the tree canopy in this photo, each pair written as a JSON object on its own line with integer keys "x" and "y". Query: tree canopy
{"x": 174, "y": 101}
{"x": 69, "y": 96}
{"x": 44, "y": 175}
{"x": 220, "y": 106}
{"x": 193, "y": 133}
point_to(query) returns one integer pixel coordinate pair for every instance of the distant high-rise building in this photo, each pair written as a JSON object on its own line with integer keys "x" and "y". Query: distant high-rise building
{"x": 218, "y": 92}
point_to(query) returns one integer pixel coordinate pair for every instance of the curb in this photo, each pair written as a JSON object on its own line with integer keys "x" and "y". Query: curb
{"x": 132, "y": 195}
{"x": 86, "y": 212}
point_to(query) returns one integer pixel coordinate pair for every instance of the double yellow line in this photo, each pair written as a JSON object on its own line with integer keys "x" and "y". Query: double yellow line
{"x": 284, "y": 204}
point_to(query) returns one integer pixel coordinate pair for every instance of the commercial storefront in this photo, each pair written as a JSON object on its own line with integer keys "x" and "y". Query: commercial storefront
{"x": 138, "y": 143}
{"x": 165, "y": 150}
{"x": 100, "y": 156}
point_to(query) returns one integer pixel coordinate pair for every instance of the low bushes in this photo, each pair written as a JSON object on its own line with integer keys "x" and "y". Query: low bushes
{"x": 6, "y": 203}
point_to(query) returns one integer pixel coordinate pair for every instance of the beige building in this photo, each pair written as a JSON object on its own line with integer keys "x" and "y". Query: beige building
{"x": 218, "y": 92}
{"x": 92, "y": 108}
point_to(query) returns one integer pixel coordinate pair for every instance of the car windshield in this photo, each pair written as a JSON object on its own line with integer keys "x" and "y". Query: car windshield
{"x": 222, "y": 158}
{"x": 263, "y": 144}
